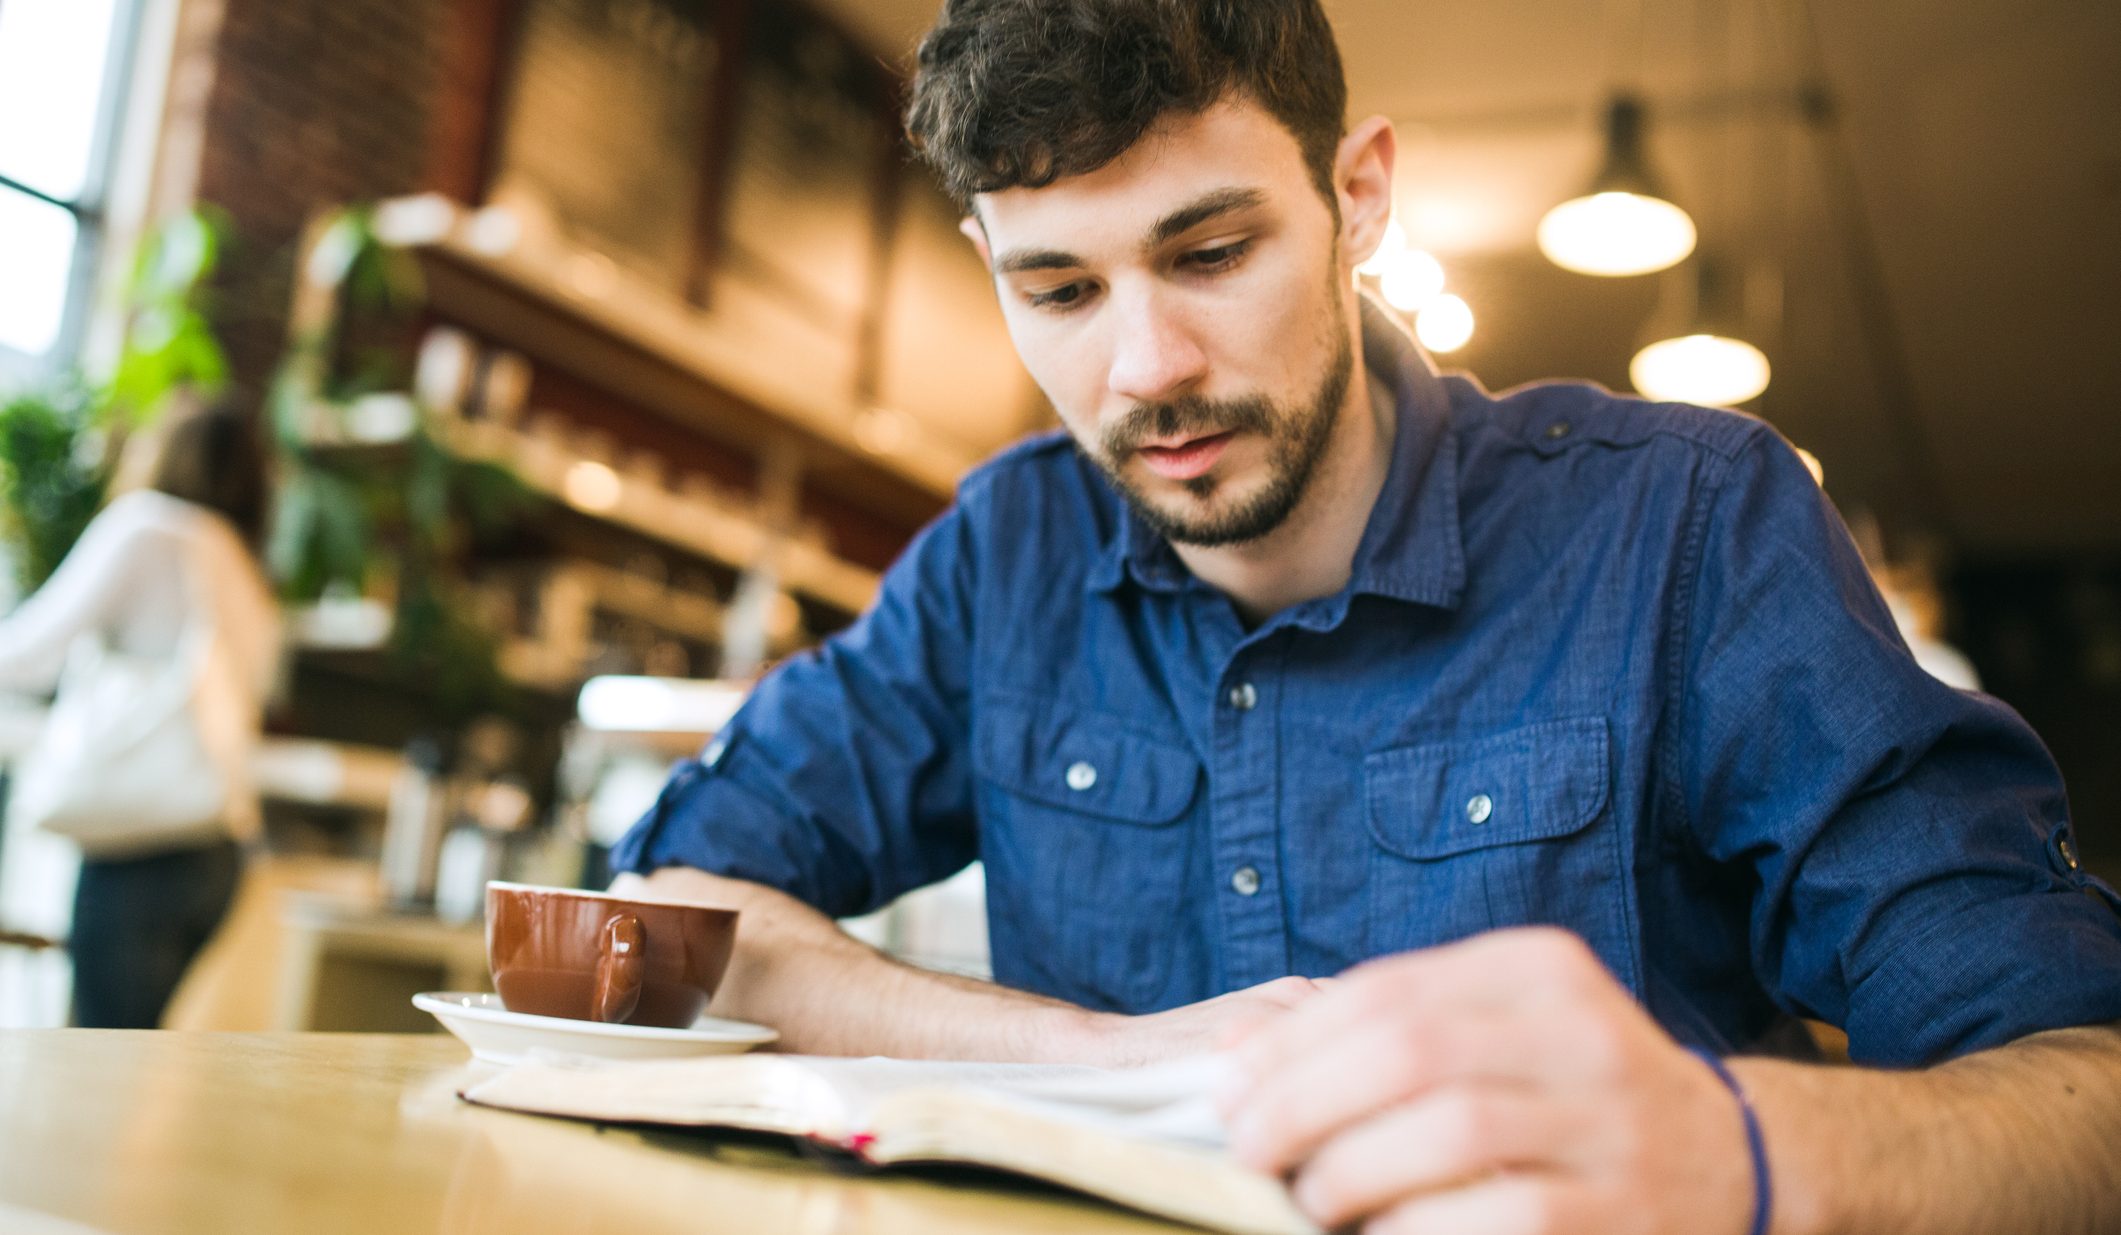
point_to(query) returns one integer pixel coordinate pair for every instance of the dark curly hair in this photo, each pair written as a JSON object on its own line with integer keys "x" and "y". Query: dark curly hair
{"x": 1019, "y": 93}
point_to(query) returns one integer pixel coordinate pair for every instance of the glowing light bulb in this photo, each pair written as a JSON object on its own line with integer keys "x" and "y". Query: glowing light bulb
{"x": 1394, "y": 242}
{"x": 592, "y": 486}
{"x": 1705, "y": 369}
{"x": 1411, "y": 280}
{"x": 1614, "y": 234}
{"x": 1445, "y": 323}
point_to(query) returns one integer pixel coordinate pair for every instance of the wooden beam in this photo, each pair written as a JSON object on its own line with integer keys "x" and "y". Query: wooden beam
{"x": 724, "y": 100}
{"x": 479, "y": 55}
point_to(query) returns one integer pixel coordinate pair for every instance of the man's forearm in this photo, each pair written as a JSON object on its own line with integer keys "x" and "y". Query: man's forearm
{"x": 2019, "y": 1138}
{"x": 830, "y": 994}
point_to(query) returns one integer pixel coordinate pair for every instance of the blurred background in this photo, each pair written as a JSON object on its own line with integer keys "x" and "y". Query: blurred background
{"x": 607, "y": 350}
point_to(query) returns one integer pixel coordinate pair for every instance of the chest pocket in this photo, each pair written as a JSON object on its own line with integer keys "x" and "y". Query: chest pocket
{"x": 1080, "y": 831}
{"x": 1510, "y": 829}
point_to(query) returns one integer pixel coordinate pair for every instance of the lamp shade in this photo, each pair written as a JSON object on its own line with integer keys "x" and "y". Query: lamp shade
{"x": 1698, "y": 355}
{"x": 1623, "y": 224}
{"x": 1710, "y": 370}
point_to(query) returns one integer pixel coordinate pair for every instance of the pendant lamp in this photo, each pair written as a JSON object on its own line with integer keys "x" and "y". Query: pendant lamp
{"x": 1703, "y": 360}
{"x": 1407, "y": 278}
{"x": 1445, "y": 323}
{"x": 1623, "y": 224}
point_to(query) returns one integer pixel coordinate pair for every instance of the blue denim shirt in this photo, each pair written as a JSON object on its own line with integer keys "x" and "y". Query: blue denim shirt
{"x": 1601, "y": 663}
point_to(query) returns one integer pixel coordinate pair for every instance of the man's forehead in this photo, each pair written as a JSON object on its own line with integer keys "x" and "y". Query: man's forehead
{"x": 1234, "y": 152}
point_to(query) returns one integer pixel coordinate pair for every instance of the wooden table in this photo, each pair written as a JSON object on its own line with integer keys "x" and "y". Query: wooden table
{"x": 147, "y": 1132}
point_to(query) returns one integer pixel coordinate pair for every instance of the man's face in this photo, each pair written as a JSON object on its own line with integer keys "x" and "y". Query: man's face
{"x": 1182, "y": 308}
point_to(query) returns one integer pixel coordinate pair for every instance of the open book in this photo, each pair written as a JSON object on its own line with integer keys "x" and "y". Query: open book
{"x": 1146, "y": 1138}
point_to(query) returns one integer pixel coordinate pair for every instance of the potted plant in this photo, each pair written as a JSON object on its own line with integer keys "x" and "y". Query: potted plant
{"x": 59, "y": 438}
{"x": 364, "y": 511}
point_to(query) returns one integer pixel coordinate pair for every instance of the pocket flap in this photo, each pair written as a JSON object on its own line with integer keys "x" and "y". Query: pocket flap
{"x": 1534, "y": 783}
{"x": 1083, "y": 761}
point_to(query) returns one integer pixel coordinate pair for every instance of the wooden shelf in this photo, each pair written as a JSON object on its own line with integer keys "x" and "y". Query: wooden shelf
{"x": 689, "y": 523}
{"x": 576, "y": 309}
{"x": 701, "y": 528}
{"x": 674, "y": 612}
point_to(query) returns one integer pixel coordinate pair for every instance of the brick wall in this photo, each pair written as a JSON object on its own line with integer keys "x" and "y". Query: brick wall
{"x": 314, "y": 103}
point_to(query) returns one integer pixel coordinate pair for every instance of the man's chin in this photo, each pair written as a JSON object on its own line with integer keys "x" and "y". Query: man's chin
{"x": 1215, "y": 519}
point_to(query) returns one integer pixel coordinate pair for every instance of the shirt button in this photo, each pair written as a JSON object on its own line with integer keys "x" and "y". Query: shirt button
{"x": 2069, "y": 852}
{"x": 1081, "y": 776}
{"x": 1244, "y": 881}
{"x": 1558, "y": 430}
{"x": 1479, "y": 807}
{"x": 1243, "y": 697}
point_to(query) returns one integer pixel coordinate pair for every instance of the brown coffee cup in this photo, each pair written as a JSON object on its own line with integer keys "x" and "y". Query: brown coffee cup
{"x": 590, "y": 956}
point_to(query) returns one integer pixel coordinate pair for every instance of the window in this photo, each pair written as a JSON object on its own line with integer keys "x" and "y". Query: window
{"x": 61, "y": 65}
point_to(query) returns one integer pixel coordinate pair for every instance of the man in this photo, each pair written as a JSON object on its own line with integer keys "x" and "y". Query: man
{"x": 1289, "y": 655}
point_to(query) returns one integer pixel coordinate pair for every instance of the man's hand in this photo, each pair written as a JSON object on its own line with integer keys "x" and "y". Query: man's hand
{"x": 1504, "y": 1084}
{"x": 1198, "y": 1028}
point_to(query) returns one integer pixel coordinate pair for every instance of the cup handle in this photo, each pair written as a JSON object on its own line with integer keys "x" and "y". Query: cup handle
{"x": 622, "y": 957}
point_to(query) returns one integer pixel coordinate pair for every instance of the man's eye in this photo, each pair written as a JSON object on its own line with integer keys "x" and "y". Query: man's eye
{"x": 1221, "y": 257}
{"x": 1066, "y": 296}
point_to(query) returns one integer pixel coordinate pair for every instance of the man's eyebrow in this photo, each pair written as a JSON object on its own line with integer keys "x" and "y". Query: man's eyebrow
{"x": 1201, "y": 209}
{"x": 1016, "y": 261}
{"x": 1207, "y": 206}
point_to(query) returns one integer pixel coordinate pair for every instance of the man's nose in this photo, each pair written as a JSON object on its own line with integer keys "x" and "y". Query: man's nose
{"x": 1154, "y": 353}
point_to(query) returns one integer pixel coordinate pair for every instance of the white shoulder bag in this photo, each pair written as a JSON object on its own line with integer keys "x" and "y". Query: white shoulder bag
{"x": 138, "y": 753}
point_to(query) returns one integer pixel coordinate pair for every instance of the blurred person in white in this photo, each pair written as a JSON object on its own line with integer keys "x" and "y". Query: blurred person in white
{"x": 166, "y": 574}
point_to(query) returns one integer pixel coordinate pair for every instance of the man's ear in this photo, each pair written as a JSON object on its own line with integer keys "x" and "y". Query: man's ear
{"x": 1362, "y": 177}
{"x": 976, "y": 232}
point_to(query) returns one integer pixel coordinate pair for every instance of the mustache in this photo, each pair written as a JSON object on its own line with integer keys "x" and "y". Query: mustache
{"x": 1191, "y": 416}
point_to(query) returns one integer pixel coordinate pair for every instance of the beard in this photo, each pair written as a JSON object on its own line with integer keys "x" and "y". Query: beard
{"x": 1295, "y": 436}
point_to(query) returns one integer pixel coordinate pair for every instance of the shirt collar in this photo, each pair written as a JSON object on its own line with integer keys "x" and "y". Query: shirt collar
{"x": 1410, "y": 550}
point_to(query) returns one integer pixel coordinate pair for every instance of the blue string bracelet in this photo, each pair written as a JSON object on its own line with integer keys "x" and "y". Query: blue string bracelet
{"x": 1763, "y": 1185}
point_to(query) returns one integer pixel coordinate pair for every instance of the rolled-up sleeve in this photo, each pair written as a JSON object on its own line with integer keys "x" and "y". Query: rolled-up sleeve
{"x": 1915, "y": 877}
{"x": 844, "y": 780}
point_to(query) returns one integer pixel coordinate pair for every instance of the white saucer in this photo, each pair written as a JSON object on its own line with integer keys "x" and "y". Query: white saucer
{"x": 499, "y": 1036}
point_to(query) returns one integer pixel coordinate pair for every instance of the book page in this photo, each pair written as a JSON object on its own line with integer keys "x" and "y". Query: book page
{"x": 832, "y": 1098}
{"x": 764, "y": 1093}
{"x": 1169, "y": 1101}
{"x": 1149, "y": 1138}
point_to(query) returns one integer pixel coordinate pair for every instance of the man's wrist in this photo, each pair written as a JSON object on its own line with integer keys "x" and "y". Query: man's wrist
{"x": 1787, "y": 1100}
{"x": 1066, "y": 1033}
{"x": 1762, "y": 1195}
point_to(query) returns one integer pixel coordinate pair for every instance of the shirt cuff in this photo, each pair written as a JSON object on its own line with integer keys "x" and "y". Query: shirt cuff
{"x": 1990, "y": 974}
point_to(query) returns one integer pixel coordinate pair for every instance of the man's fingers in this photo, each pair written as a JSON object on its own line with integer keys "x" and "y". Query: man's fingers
{"x": 1527, "y": 968}
{"x": 1453, "y": 1137}
{"x": 1264, "y": 1003}
{"x": 1288, "y": 1112}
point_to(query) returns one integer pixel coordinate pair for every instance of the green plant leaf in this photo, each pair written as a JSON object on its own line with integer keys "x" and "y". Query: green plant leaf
{"x": 169, "y": 343}
{"x": 287, "y": 544}
{"x": 52, "y": 475}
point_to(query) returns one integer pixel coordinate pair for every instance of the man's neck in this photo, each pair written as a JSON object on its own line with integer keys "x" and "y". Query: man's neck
{"x": 1312, "y": 553}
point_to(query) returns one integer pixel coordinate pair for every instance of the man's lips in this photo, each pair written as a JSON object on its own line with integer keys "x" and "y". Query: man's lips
{"x": 1186, "y": 459}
